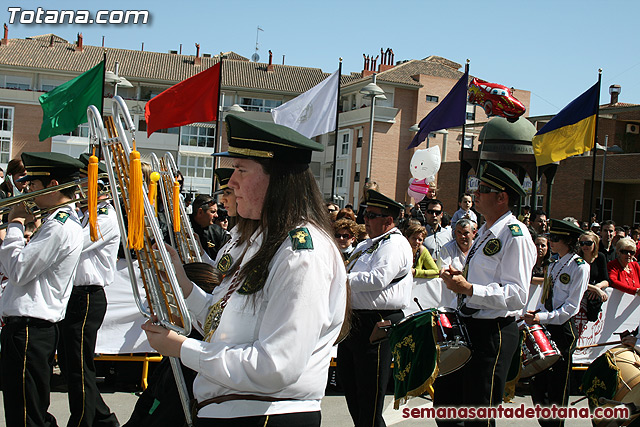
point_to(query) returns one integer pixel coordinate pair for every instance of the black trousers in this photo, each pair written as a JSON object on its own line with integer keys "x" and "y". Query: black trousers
{"x": 26, "y": 361}
{"x": 78, "y": 333}
{"x": 298, "y": 419}
{"x": 551, "y": 386}
{"x": 481, "y": 381}
{"x": 364, "y": 369}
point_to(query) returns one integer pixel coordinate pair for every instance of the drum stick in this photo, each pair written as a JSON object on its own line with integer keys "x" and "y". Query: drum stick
{"x": 599, "y": 345}
{"x": 419, "y": 306}
{"x": 579, "y": 400}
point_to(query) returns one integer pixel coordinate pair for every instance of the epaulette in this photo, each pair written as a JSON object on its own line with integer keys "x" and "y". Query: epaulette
{"x": 579, "y": 261}
{"x": 103, "y": 211}
{"x": 515, "y": 230}
{"x": 300, "y": 239}
{"x": 62, "y": 217}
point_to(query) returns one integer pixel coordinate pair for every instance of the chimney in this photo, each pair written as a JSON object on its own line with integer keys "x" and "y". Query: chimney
{"x": 614, "y": 91}
{"x": 197, "y": 60}
{"x": 270, "y": 67}
{"x": 387, "y": 60}
{"x": 383, "y": 57}
{"x": 51, "y": 41}
{"x": 142, "y": 47}
{"x": 282, "y": 59}
{"x": 374, "y": 62}
{"x": 79, "y": 47}
{"x": 5, "y": 39}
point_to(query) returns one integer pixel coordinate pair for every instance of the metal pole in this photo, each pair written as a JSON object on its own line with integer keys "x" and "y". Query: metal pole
{"x": 604, "y": 162}
{"x": 115, "y": 85}
{"x": 334, "y": 196}
{"x": 373, "y": 105}
{"x": 595, "y": 141}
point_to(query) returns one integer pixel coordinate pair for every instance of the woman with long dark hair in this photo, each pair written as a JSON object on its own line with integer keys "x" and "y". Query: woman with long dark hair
{"x": 270, "y": 325}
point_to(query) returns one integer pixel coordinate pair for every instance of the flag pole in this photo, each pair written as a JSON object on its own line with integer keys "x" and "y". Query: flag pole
{"x": 104, "y": 72}
{"x": 218, "y": 143}
{"x": 462, "y": 178}
{"x": 335, "y": 145}
{"x": 595, "y": 150}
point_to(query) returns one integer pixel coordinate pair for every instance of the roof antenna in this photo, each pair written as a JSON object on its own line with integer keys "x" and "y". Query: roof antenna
{"x": 255, "y": 57}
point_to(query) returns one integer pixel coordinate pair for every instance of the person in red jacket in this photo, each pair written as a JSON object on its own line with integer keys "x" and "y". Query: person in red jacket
{"x": 624, "y": 271}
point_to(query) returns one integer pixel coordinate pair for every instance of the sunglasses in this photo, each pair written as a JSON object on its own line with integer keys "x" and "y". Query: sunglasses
{"x": 343, "y": 236}
{"x": 585, "y": 243}
{"x": 371, "y": 215}
{"x": 433, "y": 212}
{"x": 485, "y": 189}
{"x": 627, "y": 252}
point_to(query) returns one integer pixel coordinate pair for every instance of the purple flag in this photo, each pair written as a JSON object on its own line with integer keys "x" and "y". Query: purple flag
{"x": 451, "y": 112}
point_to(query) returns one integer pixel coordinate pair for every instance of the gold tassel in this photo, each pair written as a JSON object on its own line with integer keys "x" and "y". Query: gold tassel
{"x": 136, "y": 201}
{"x": 92, "y": 176}
{"x": 153, "y": 191}
{"x": 176, "y": 206}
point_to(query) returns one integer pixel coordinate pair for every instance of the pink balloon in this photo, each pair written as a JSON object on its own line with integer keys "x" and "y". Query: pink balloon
{"x": 418, "y": 188}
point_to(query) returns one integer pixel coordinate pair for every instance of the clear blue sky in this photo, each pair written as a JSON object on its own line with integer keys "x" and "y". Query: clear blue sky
{"x": 552, "y": 48}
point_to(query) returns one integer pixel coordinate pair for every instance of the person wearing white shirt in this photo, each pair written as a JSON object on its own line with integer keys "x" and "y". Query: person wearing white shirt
{"x": 455, "y": 253}
{"x": 465, "y": 211}
{"x": 379, "y": 273}
{"x": 270, "y": 325}
{"x": 85, "y": 312}
{"x": 493, "y": 288}
{"x": 40, "y": 277}
{"x": 437, "y": 235}
{"x": 565, "y": 284}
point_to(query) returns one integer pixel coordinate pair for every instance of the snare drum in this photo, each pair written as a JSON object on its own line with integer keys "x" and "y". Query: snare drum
{"x": 539, "y": 352}
{"x": 453, "y": 341}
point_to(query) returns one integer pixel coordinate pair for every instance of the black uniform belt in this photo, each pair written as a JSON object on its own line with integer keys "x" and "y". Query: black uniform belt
{"x": 88, "y": 288}
{"x": 23, "y": 320}
{"x": 501, "y": 320}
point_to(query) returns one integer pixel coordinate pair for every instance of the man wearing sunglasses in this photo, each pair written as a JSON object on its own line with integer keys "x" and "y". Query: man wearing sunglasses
{"x": 379, "y": 274}
{"x": 438, "y": 235}
{"x": 492, "y": 289}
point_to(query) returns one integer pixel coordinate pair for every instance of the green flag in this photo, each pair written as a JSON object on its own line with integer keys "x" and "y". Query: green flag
{"x": 65, "y": 107}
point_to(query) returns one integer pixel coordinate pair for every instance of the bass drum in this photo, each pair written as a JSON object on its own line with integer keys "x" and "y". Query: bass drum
{"x": 624, "y": 363}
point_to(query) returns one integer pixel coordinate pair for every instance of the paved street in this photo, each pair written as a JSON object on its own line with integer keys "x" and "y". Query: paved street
{"x": 334, "y": 411}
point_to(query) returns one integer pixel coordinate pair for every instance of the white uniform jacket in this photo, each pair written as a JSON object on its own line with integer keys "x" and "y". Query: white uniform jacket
{"x": 500, "y": 269}
{"x": 374, "y": 265}
{"x": 98, "y": 260}
{"x": 41, "y": 273}
{"x": 276, "y": 342}
{"x": 570, "y": 275}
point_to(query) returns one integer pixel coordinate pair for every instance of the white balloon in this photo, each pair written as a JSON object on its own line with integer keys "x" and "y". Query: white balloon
{"x": 425, "y": 163}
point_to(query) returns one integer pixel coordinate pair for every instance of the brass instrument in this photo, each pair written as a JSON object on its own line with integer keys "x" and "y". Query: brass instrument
{"x": 184, "y": 240}
{"x": 164, "y": 295}
{"x": 28, "y": 199}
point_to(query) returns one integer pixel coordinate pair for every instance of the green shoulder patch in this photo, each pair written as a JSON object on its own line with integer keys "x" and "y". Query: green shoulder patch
{"x": 103, "y": 211}
{"x": 387, "y": 237}
{"x": 301, "y": 239}
{"x": 515, "y": 230}
{"x": 579, "y": 261}
{"x": 565, "y": 278}
{"x": 61, "y": 217}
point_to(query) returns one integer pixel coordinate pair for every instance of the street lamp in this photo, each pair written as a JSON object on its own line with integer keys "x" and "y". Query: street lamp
{"x": 113, "y": 78}
{"x": 373, "y": 91}
{"x": 612, "y": 149}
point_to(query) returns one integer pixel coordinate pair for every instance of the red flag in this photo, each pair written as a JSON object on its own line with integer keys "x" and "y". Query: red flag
{"x": 192, "y": 100}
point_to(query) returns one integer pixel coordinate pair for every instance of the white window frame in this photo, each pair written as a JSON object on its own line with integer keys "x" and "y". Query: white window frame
{"x": 6, "y": 135}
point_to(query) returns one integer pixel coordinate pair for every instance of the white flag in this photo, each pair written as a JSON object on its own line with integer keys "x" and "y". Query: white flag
{"x": 313, "y": 112}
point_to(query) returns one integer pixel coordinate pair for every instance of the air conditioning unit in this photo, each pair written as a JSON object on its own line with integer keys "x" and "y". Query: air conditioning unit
{"x": 633, "y": 128}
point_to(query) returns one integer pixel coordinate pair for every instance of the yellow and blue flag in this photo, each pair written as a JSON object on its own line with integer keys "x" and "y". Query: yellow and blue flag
{"x": 572, "y": 131}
